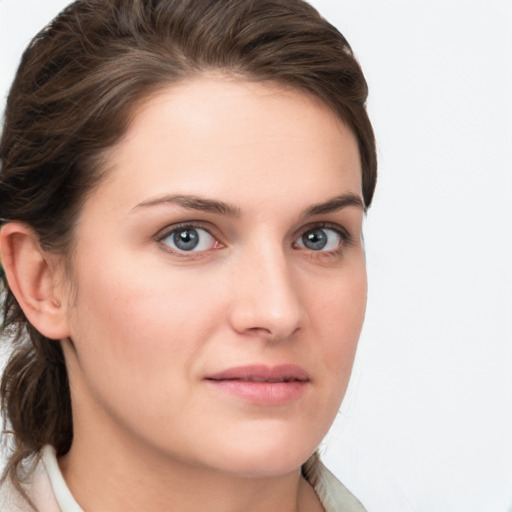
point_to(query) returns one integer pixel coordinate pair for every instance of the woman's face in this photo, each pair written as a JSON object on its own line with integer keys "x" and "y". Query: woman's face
{"x": 220, "y": 280}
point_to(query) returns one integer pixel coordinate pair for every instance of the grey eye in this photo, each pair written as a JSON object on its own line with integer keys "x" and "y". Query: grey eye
{"x": 186, "y": 239}
{"x": 319, "y": 239}
{"x": 189, "y": 239}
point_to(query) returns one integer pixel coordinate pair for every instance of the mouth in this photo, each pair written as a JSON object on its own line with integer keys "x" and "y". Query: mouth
{"x": 260, "y": 384}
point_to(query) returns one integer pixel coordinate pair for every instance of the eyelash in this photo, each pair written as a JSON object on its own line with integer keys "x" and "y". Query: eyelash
{"x": 346, "y": 239}
{"x": 168, "y": 231}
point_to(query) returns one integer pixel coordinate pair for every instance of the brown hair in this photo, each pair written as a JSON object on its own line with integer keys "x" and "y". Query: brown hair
{"x": 78, "y": 82}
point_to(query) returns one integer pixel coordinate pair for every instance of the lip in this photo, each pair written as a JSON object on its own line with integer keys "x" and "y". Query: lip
{"x": 261, "y": 384}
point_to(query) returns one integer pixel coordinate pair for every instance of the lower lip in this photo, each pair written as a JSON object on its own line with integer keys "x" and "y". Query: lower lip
{"x": 263, "y": 393}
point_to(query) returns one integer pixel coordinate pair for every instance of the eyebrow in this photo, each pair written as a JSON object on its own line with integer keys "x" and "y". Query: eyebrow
{"x": 191, "y": 202}
{"x": 334, "y": 204}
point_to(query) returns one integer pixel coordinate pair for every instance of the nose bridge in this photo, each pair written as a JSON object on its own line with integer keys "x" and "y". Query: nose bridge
{"x": 267, "y": 301}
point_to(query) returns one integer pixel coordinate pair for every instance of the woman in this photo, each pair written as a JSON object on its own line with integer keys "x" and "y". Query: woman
{"x": 182, "y": 190}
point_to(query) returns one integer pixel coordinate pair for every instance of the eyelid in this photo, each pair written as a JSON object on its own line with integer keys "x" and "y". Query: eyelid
{"x": 165, "y": 232}
{"x": 346, "y": 241}
{"x": 347, "y": 238}
{"x": 342, "y": 231}
{"x": 193, "y": 224}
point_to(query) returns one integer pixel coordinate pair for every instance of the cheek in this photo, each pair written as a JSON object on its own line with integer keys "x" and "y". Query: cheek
{"x": 139, "y": 334}
{"x": 337, "y": 312}
{"x": 139, "y": 322}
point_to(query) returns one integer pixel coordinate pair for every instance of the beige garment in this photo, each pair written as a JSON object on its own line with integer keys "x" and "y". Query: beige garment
{"x": 49, "y": 492}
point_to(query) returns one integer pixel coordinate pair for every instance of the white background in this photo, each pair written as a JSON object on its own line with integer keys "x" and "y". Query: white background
{"x": 427, "y": 424}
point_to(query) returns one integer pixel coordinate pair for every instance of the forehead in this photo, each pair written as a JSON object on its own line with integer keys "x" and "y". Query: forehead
{"x": 220, "y": 135}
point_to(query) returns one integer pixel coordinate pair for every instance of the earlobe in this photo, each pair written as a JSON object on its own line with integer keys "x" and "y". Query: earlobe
{"x": 32, "y": 280}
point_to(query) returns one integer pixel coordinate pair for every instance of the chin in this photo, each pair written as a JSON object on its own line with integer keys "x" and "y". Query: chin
{"x": 265, "y": 453}
{"x": 264, "y": 464}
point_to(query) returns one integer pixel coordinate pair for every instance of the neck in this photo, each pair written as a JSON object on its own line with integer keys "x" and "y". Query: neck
{"x": 108, "y": 476}
{"x": 114, "y": 469}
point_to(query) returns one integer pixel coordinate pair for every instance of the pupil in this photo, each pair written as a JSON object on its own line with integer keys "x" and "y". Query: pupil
{"x": 315, "y": 239}
{"x": 186, "y": 239}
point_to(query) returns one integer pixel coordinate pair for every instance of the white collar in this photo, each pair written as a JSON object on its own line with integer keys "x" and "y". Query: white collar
{"x": 330, "y": 490}
{"x": 62, "y": 493}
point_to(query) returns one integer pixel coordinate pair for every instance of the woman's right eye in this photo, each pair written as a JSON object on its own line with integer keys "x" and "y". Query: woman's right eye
{"x": 190, "y": 239}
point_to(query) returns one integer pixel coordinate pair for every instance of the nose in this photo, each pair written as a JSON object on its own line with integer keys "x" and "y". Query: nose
{"x": 266, "y": 301}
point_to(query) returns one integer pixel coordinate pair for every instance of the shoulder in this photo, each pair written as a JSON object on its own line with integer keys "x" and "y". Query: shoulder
{"x": 37, "y": 487}
{"x": 335, "y": 497}
{"x": 11, "y": 500}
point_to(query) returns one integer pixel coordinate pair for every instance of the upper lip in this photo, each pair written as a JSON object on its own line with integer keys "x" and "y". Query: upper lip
{"x": 262, "y": 373}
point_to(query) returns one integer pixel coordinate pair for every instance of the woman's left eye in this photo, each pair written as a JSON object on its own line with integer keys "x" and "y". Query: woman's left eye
{"x": 321, "y": 239}
{"x": 189, "y": 239}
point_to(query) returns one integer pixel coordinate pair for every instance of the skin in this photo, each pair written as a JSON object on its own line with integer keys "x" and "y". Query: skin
{"x": 146, "y": 323}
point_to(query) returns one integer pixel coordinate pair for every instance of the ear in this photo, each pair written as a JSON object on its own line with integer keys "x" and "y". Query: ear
{"x": 32, "y": 278}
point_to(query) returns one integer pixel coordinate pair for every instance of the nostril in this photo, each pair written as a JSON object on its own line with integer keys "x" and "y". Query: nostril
{"x": 260, "y": 330}
{"x": 273, "y": 334}
{"x": 266, "y": 302}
